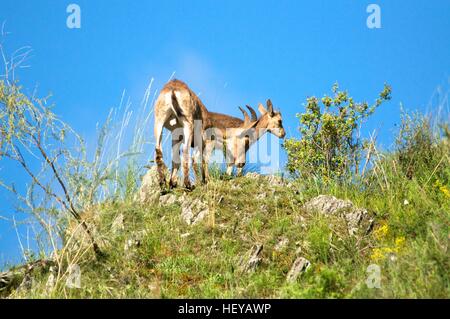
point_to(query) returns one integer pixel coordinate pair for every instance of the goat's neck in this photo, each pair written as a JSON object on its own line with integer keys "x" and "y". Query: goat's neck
{"x": 260, "y": 130}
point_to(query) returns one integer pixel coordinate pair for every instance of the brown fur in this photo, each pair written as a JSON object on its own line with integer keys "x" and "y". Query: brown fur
{"x": 240, "y": 140}
{"x": 178, "y": 107}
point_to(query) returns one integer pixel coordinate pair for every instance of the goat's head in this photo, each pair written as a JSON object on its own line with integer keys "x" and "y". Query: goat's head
{"x": 271, "y": 120}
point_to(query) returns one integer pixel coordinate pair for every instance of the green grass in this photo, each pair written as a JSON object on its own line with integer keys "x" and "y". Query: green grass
{"x": 411, "y": 241}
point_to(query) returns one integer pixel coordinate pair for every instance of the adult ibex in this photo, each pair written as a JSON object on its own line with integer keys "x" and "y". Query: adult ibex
{"x": 238, "y": 140}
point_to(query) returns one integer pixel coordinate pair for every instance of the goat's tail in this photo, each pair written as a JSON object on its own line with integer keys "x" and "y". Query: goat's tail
{"x": 176, "y": 106}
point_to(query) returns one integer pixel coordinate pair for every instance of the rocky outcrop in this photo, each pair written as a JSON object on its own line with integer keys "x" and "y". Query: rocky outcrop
{"x": 273, "y": 180}
{"x": 193, "y": 211}
{"x": 355, "y": 217}
{"x": 167, "y": 199}
{"x": 149, "y": 190}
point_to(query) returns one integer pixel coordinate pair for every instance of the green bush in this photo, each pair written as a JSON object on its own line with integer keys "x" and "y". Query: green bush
{"x": 330, "y": 147}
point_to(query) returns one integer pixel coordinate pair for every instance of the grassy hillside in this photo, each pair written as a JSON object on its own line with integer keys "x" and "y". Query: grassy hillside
{"x": 152, "y": 252}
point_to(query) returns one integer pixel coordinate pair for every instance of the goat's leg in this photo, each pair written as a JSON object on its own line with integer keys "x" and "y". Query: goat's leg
{"x": 198, "y": 145}
{"x": 240, "y": 167}
{"x": 207, "y": 151}
{"x": 176, "y": 160}
{"x": 240, "y": 162}
{"x": 196, "y": 163}
{"x": 240, "y": 152}
{"x": 230, "y": 165}
{"x": 230, "y": 156}
{"x": 159, "y": 155}
{"x": 230, "y": 169}
{"x": 187, "y": 142}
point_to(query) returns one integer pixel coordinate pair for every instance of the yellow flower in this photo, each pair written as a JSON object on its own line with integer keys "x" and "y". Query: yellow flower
{"x": 381, "y": 232}
{"x": 377, "y": 254}
{"x": 445, "y": 190}
{"x": 399, "y": 243}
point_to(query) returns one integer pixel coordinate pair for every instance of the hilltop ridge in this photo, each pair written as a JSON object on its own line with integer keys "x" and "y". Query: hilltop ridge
{"x": 252, "y": 236}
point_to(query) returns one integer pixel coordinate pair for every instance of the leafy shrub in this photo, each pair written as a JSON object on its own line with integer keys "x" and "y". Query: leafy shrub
{"x": 330, "y": 147}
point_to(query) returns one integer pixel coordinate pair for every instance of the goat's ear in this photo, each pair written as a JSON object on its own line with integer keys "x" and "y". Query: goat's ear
{"x": 270, "y": 107}
{"x": 262, "y": 109}
{"x": 253, "y": 113}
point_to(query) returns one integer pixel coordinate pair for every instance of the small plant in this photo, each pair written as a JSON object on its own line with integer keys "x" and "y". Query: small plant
{"x": 330, "y": 146}
{"x": 319, "y": 239}
{"x": 417, "y": 145}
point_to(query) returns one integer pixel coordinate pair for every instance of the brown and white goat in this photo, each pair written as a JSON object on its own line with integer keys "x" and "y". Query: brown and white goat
{"x": 179, "y": 110}
{"x": 239, "y": 139}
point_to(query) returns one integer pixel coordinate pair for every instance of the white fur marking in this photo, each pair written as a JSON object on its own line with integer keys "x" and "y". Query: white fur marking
{"x": 168, "y": 98}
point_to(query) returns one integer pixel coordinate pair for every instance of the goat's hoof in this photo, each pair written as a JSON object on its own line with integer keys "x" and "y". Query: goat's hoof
{"x": 172, "y": 185}
{"x": 163, "y": 189}
{"x": 189, "y": 187}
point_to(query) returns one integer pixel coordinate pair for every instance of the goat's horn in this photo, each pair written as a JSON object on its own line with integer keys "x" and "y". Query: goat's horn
{"x": 253, "y": 113}
{"x": 246, "y": 117}
{"x": 270, "y": 106}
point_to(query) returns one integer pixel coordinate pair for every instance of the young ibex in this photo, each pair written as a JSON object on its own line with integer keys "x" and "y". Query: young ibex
{"x": 179, "y": 110}
{"x": 241, "y": 137}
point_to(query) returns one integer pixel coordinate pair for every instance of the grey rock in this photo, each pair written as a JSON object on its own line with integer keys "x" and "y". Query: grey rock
{"x": 22, "y": 277}
{"x": 252, "y": 175}
{"x": 134, "y": 241}
{"x": 299, "y": 266}
{"x": 149, "y": 190}
{"x": 168, "y": 199}
{"x": 252, "y": 259}
{"x": 275, "y": 180}
{"x": 27, "y": 283}
{"x": 193, "y": 211}
{"x": 330, "y": 205}
{"x": 281, "y": 244}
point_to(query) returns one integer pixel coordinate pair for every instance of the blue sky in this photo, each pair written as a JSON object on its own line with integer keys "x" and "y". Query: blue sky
{"x": 232, "y": 52}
